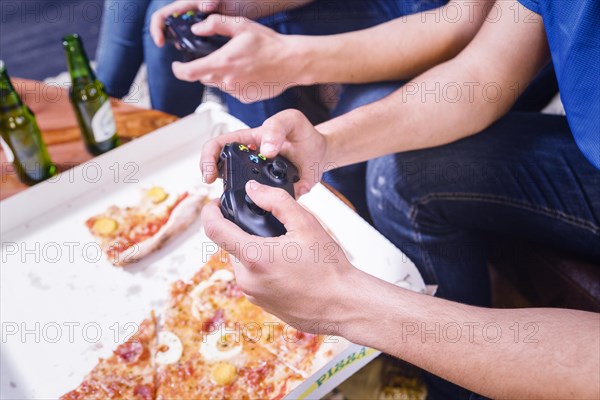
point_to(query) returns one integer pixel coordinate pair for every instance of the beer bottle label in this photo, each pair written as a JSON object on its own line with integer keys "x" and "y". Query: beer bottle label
{"x": 10, "y": 157}
{"x": 103, "y": 123}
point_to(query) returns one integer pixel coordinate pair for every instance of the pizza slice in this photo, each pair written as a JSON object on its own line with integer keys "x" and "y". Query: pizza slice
{"x": 204, "y": 352}
{"x": 129, "y": 373}
{"x": 218, "y": 292}
{"x": 216, "y": 289}
{"x": 303, "y": 352}
{"x": 219, "y": 345}
{"x": 218, "y": 368}
{"x": 127, "y": 234}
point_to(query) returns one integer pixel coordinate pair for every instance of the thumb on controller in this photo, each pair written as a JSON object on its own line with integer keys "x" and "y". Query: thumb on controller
{"x": 279, "y": 202}
{"x": 217, "y": 24}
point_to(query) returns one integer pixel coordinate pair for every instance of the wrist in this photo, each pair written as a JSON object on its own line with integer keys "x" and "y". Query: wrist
{"x": 301, "y": 60}
{"x": 330, "y": 155}
{"x": 354, "y": 313}
{"x": 371, "y": 310}
{"x": 340, "y": 312}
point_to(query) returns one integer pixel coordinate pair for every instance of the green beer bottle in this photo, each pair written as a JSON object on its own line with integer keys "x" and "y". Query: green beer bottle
{"x": 90, "y": 101}
{"x": 20, "y": 136}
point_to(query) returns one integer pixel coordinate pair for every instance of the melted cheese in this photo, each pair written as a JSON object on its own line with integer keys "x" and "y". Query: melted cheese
{"x": 198, "y": 305}
{"x": 212, "y": 347}
{"x": 170, "y": 348}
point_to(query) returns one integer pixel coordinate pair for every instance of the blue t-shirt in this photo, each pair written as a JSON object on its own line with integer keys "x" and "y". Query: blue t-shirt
{"x": 573, "y": 31}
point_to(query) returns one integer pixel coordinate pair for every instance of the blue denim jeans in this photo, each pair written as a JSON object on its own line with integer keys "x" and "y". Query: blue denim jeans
{"x": 524, "y": 176}
{"x": 125, "y": 43}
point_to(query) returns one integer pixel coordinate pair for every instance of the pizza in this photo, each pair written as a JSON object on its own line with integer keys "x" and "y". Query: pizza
{"x": 217, "y": 297}
{"x": 214, "y": 344}
{"x": 218, "y": 359}
{"x": 128, "y": 373}
{"x": 127, "y": 234}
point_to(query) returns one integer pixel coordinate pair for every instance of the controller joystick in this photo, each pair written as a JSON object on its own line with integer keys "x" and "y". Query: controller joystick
{"x": 178, "y": 31}
{"x": 239, "y": 164}
{"x": 278, "y": 169}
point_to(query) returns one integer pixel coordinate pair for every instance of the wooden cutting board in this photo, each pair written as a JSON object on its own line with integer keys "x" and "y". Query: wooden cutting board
{"x": 60, "y": 131}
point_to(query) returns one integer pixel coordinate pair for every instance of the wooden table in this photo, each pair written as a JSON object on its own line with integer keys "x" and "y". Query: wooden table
{"x": 60, "y": 131}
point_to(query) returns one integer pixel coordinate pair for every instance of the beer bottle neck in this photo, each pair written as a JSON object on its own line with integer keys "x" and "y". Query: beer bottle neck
{"x": 79, "y": 66}
{"x": 9, "y": 98}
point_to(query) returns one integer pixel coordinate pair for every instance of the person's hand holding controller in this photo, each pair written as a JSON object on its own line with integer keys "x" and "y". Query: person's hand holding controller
{"x": 305, "y": 263}
{"x": 157, "y": 22}
{"x": 288, "y": 133}
{"x": 257, "y": 63}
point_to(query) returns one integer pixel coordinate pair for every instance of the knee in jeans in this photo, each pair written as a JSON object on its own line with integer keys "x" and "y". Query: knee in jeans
{"x": 388, "y": 194}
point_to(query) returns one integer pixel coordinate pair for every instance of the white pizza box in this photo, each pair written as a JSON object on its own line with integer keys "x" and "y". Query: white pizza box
{"x": 62, "y": 305}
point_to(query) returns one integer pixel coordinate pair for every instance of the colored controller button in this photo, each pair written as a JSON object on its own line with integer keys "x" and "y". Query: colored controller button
{"x": 262, "y": 157}
{"x": 243, "y": 148}
{"x": 252, "y": 147}
{"x": 254, "y": 159}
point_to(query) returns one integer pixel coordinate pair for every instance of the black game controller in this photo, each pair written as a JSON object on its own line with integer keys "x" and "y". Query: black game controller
{"x": 239, "y": 164}
{"x": 178, "y": 31}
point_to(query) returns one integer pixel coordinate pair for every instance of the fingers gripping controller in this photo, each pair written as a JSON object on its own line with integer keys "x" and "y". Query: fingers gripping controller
{"x": 178, "y": 31}
{"x": 239, "y": 164}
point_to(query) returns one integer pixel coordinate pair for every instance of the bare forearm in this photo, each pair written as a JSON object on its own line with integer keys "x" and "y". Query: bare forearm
{"x": 524, "y": 353}
{"x": 448, "y": 102}
{"x": 257, "y": 9}
{"x": 424, "y": 113}
{"x": 398, "y": 49}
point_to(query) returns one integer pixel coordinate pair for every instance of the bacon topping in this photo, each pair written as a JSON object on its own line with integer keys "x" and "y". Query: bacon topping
{"x": 256, "y": 375}
{"x": 143, "y": 391}
{"x": 212, "y": 324}
{"x": 130, "y": 352}
{"x": 233, "y": 290}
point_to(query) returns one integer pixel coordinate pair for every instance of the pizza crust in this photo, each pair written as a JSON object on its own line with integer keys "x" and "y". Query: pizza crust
{"x": 331, "y": 347}
{"x": 128, "y": 373}
{"x": 181, "y": 217}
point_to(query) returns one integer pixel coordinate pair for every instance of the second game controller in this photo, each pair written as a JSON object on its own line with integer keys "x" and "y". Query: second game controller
{"x": 178, "y": 31}
{"x": 239, "y": 164}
